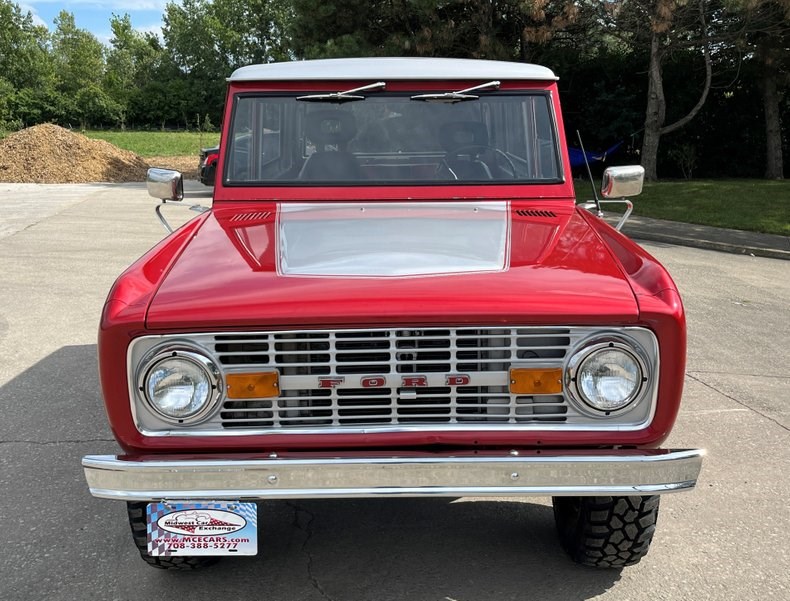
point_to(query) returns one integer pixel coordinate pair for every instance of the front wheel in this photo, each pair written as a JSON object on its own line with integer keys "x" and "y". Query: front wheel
{"x": 136, "y": 511}
{"x": 606, "y": 532}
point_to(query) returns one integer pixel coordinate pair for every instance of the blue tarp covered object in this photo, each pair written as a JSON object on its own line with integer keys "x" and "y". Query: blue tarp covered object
{"x": 577, "y": 155}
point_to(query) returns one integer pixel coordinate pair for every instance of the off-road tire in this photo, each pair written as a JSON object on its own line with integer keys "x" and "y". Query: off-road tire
{"x": 136, "y": 511}
{"x": 606, "y": 532}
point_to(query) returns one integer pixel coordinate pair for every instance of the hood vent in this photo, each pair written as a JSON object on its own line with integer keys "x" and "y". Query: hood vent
{"x": 257, "y": 216}
{"x": 534, "y": 213}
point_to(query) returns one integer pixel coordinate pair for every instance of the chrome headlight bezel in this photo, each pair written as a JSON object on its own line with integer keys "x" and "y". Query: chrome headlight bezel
{"x": 587, "y": 350}
{"x": 194, "y": 355}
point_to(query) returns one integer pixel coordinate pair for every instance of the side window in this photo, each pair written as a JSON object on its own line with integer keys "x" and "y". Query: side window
{"x": 522, "y": 128}
{"x": 256, "y": 147}
{"x": 544, "y": 134}
{"x": 508, "y": 133}
{"x": 269, "y": 139}
{"x": 239, "y": 167}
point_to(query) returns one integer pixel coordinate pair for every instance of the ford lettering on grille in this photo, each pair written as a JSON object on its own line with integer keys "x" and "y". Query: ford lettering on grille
{"x": 391, "y": 382}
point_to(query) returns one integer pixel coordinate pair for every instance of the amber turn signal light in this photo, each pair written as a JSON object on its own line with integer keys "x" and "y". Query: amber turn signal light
{"x": 262, "y": 385}
{"x": 535, "y": 381}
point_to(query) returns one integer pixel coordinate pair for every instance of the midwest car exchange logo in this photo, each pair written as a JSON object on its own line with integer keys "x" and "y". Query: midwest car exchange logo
{"x": 201, "y": 522}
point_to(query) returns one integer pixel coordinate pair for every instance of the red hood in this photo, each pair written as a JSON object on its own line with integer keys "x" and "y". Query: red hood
{"x": 557, "y": 271}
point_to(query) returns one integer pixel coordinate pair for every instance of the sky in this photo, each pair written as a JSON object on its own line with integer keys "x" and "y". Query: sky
{"x": 94, "y": 15}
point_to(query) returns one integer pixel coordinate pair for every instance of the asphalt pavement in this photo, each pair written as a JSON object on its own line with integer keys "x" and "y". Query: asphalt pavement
{"x": 724, "y": 541}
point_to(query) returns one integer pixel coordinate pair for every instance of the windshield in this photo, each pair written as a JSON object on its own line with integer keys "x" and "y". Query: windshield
{"x": 385, "y": 138}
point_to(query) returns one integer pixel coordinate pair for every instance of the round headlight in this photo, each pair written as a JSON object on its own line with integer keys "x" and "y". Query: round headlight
{"x": 608, "y": 376}
{"x": 180, "y": 385}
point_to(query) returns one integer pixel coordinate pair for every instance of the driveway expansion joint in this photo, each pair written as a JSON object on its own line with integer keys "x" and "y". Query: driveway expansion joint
{"x": 741, "y": 403}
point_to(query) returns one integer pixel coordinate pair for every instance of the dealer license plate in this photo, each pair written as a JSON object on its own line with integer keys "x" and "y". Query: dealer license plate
{"x": 219, "y": 528}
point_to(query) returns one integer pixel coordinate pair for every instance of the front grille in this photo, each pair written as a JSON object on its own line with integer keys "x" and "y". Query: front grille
{"x": 485, "y": 355}
{"x": 395, "y": 380}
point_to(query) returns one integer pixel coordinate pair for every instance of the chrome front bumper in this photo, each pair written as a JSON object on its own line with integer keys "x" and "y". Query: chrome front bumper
{"x": 590, "y": 473}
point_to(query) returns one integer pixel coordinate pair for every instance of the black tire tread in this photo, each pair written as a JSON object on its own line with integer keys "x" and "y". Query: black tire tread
{"x": 137, "y": 513}
{"x": 606, "y": 532}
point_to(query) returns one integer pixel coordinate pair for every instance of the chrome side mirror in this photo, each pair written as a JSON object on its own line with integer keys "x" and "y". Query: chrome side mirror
{"x": 622, "y": 181}
{"x": 165, "y": 184}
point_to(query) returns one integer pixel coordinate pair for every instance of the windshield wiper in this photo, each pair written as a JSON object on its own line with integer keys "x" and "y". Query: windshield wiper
{"x": 459, "y": 96}
{"x": 347, "y": 96}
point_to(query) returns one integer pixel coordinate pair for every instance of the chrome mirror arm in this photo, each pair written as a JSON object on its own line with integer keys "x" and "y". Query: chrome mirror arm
{"x": 163, "y": 220}
{"x": 593, "y": 208}
{"x": 161, "y": 217}
{"x": 629, "y": 207}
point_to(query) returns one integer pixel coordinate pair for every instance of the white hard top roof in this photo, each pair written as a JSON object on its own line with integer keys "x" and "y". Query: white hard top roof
{"x": 392, "y": 68}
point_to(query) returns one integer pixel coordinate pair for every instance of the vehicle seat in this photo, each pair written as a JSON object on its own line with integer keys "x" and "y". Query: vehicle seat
{"x": 456, "y": 135}
{"x": 334, "y": 128}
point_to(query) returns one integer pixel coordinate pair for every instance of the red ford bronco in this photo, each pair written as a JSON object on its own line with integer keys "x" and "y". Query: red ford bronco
{"x": 393, "y": 294}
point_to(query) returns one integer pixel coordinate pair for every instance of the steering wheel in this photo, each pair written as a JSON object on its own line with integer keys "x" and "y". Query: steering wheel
{"x": 476, "y": 151}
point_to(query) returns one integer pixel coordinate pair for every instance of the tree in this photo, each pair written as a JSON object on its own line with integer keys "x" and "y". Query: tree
{"x": 6, "y": 103}
{"x": 207, "y": 41}
{"x": 79, "y": 62}
{"x": 664, "y": 27}
{"x": 94, "y": 105}
{"x": 769, "y": 40}
{"x": 24, "y": 59}
{"x": 489, "y": 29}
{"x": 25, "y": 63}
{"x": 132, "y": 62}
{"x": 218, "y": 36}
{"x": 252, "y": 31}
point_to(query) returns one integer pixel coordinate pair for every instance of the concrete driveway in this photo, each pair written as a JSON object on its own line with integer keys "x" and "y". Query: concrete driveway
{"x": 62, "y": 247}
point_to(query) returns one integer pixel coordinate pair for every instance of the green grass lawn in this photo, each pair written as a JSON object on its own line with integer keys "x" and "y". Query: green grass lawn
{"x": 158, "y": 143}
{"x": 743, "y": 204}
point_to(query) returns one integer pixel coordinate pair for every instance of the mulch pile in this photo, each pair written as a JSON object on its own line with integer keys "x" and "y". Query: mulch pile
{"x": 48, "y": 154}
{"x": 188, "y": 165}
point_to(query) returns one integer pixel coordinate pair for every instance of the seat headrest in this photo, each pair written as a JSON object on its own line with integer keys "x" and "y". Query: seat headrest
{"x": 456, "y": 134}
{"x": 330, "y": 127}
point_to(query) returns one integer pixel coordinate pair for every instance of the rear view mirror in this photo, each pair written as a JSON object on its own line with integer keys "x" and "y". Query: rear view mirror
{"x": 622, "y": 181}
{"x": 165, "y": 184}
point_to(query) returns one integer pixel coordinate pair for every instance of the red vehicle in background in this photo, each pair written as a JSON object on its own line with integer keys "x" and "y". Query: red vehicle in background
{"x": 393, "y": 294}
{"x": 207, "y": 166}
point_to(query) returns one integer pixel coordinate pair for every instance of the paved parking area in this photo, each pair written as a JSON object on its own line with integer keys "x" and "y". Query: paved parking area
{"x": 726, "y": 540}
{"x": 23, "y": 205}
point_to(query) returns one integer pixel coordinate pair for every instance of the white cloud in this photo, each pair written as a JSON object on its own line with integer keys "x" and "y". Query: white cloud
{"x": 155, "y": 29}
{"x": 103, "y": 37}
{"x": 27, "y": 8}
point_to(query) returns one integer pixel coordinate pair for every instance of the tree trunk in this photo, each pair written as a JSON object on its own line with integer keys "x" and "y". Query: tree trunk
{"x": 655, "y": 113}
{"x": 657, "y": 104}
{"x": 774, "y": 168}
